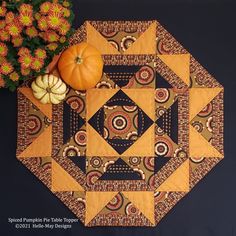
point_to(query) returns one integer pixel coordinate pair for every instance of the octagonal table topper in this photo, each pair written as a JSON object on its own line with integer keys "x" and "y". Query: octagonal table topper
{"x": 125, "y": 152}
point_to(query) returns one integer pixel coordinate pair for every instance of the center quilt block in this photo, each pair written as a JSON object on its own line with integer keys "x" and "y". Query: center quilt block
{"x": 125, "y": 152}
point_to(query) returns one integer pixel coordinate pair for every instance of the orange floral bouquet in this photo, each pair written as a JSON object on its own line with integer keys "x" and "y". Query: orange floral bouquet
{"x": 31, "y": 33}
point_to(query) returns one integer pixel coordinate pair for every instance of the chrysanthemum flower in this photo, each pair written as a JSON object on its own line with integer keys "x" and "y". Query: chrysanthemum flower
{"x": 37, "y": 16}
{"x": 56, "y": 8}
{"x": 26, "y": 19}
{"x": 31, "y": 32}
{"x": 2, "y": 24}
{"x": 54, "y": 20}
{"x": 2, "y": 82}
{"x": 14, "y": 76}
{"x": 40, "y": 53}
{"x": 3, "y": 49}
{"x": 52, "y": 46}
{"x": 9, "y": 17}
{"x": 17, "y": 41}
{"x": 6, "y": 68}
{"x": 43, "y": 24}
{"x": 66, "y": 4}
{"x": 66, "y": 12}
{"x": 25, "y": 71}
{"x": 14, "y": 29}
{"x": 64, "y": 27}
{"x": 62, "y": 39}
{"x": 3, "y": 11}
{"x": 51, "y": 36}
{"x": 45, "y": 7}
{"x": 25, "y": 8}
{"x": 4, "y": 35}
{"x": 23, "y": 51}
{"x": 37, "y": 64}
{"x": 25, "y": 60}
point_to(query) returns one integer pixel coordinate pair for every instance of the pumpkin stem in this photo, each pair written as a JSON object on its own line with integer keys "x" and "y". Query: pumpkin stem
{"x": 78, "y": 60}
{"x": 48, "y": 90}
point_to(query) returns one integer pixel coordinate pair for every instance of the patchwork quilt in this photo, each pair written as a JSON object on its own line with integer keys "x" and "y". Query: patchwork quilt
{"x": 125, "y": 152}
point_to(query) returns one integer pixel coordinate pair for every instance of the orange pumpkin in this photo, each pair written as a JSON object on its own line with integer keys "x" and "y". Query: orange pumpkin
{"x": 80, "y": 66}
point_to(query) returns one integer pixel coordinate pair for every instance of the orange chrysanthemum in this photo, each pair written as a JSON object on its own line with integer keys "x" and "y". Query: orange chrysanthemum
{"x": 40, "y": 53}
{"x": 2, "y": 24}
{"x": 25, "y": 71}
{"x": 31, "y": 32}
{"x": 2, "y": 59}
{"x": 4, "y": 35}
{"x": 17, "y": 41}
{"x": 14, "y": 76}
{"x": 45, "y": 7}
{"x": 25, "y": 61}
{"x": 56, "y": 8}
{"x": 51, "y": 36}
{"x": 64, "y": 27}
{"x": 52, "y": 46}
{"x": 6, "y": 68}
{"x": 3, "y": 11}
{"x": 3, "y": 49}
{"x": 54, "y": 20}
{"x": 43, "y": 24}
{"x": 37, "y": 64}
{"x": 2, "y": 82}
{"x": 9, "y": 17}
{"x": 23, "y": 51}
{"x": 26, "y": 8}
{"x": 26, "y": 19}
{"x": 14, "y": 29}
{"x": 37, "y": 16}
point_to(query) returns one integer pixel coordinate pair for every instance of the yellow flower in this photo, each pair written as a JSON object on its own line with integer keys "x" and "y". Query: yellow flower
{"x": 45, "y": 7}
{"x": 4, "y": 35}
{"x": 3, "y": 49}
{"x": 6, "y": 68}
{"x": 31, "y": 32}
{"x": 2, "y": 24}
{"x": 64, "y": 27}
{"x": 52, "y": 46}
{"x": 26, "y": 8}
{"x": 66, "y": 4}
{"x": 51, "y": 36}
{"x": 9, "y": 17}
{"x": 37, "y": 64}
{"x": 3, "y": 10}
{"x": 66, "y": 12}
{"x": 2, "y": 82}
{"x": 17, "y": 41}
{"x": 14, "y": 76}
{"x": 26, "y": 19}
{"x": 14, "y": 29}
{"x": 54, "y": 20}
{"x": 42, "y": 23}
{"x": 25, "y": 71}
{"x": 62, "y": 39}
{"x": 40, "y": 53}
{"x": 25, "y": 61}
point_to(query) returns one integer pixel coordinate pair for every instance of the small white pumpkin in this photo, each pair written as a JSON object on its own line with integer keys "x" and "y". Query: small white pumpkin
{"x": 49, "y": 89}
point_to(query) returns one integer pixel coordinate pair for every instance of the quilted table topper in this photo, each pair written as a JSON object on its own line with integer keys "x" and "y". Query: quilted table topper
{"x": 125, "y": 152}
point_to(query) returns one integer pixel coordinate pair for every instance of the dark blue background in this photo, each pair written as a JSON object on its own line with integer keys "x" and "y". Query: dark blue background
{"x": 207, "y": 30}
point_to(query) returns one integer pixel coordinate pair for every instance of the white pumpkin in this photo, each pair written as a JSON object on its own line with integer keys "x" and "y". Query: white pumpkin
{"x": 49, "y": 89}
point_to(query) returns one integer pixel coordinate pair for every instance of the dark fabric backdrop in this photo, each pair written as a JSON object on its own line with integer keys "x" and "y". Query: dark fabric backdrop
{"x": 206, "y": 28}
